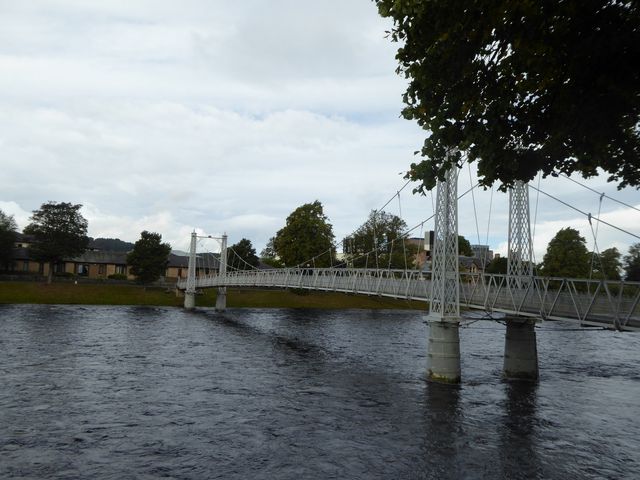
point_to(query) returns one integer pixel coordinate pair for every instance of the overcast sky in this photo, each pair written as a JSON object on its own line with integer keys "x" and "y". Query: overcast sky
{"x": 226, "y": 116}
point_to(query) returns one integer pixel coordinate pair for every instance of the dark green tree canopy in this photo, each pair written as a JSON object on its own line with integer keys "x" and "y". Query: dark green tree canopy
{"x": 522, "y": 86}
{"x": 59, "y": 232}
{"x": 607, "y": 265}
{"x": 498, "y": 265}
{"x": 269, "y": 256}
{"x": 245, "y": 255}
{"x": 149, "y": 258}
{"x": 383, "y": 232}
{"x": 111, "y": 244}
{"x": 8, "y": 230}
{"x": 307, "y": 234}
{"x": 566, "y": 256}
{"x": 464, "y": 247}
{"x": 632, "y": 263}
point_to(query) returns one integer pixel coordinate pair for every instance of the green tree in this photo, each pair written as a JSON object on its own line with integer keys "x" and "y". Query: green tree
{"x": 521, "y": 87}
{"x": 59, "y": 232}
{"x": 149, "y": 258}
{"x": 498, "y": 265}
{"x": 269, "y": 256}
{"x": 607, "y": 265}
{"x": 245, "y": 255}
{"x": 632, "y": 263}
{"x": 383, "y": 232}
{"x": 8, "y": 229}
{"x": 306, "y": 235}
{"x": 566, "y": 256}
{"x": 111, "y": 244}
{"x": 464, "y": 247}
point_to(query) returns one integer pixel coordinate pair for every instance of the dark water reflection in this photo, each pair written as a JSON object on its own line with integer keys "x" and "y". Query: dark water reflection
{"x": 126, "y": 392}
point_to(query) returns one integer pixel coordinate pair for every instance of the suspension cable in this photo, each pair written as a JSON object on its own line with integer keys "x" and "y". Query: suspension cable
{"x": 404, "y": 248}
{"x": 484, "y": 260}
{"x": 475, "y": 210}
{"x": 595, "y": 243}
{"x": 535, "y": 217}
{"x": 586, "y": 214}
{"x": 599, "y": 193}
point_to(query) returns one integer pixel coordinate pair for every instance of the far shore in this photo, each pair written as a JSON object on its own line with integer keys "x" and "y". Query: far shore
{"x": 105, "y": 294}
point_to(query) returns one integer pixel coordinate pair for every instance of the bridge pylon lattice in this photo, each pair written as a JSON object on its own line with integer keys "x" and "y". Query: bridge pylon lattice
{"x": 443, "y": 356}
{"x": 520, "y": 348}
{"x": 190, "y": 290}
{"x": 221, "y": 298}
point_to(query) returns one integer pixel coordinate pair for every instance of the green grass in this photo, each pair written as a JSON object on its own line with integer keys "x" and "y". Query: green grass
{"x": 88, "y": 294}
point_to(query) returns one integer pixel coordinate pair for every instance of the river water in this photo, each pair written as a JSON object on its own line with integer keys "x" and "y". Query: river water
{"x": 137, "y": 392}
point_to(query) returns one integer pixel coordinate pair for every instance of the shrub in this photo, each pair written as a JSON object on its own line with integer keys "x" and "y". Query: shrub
{"x": 64, "y": 274}
{"x": 117, "y": 276}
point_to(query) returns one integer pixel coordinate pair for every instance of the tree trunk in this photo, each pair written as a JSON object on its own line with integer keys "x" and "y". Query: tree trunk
{"x": 50, "y": 273}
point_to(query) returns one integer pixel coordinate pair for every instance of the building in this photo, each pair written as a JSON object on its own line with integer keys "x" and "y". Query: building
{"x": 483, "y": 252}
{"x": 97, "y": 264}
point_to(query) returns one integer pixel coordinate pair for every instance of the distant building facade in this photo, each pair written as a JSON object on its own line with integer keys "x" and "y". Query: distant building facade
{"x": 97, "y": 264}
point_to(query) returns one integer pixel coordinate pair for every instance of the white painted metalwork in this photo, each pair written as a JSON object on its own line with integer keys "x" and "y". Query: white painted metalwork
{"x": 223, "y": 262}
{"x": 445, "y": 301}
{"x": 592, "y": 302}
{"x": 191, "y": 272}
{"x": 519, "y": 259}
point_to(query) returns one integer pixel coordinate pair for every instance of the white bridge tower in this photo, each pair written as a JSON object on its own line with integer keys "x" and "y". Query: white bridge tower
{"x": 520, "y": 349}
{"x": 443, "y": 356}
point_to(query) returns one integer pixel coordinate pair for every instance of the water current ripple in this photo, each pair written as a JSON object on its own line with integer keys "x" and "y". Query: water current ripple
{"x": 137, "y": 392}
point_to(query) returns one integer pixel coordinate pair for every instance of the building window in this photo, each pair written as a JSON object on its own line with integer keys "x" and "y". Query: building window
{"x": 121, "y": 269}
{"x": 82, "y": 269}
{"x": 25, "y": 266}
{"x": 102, "y": 268}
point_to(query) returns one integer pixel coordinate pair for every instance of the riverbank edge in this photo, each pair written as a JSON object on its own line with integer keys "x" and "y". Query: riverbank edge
{"x": 101, "y": 294}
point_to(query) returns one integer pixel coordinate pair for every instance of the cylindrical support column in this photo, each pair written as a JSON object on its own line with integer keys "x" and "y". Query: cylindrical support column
{"x": 443, "y": 353}
{"x": 221, "y": 298}
{"x": 520, "y": 349}
{"x": 189, "y": 301}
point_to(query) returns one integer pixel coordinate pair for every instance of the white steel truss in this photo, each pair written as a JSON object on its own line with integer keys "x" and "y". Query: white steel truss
{"x": 191, "y": 272}
{"x": 223, "y": 261}
{"x": 519, "y": 255}
{"x": 445, "y": 296}
{"x": 611, "y": 304}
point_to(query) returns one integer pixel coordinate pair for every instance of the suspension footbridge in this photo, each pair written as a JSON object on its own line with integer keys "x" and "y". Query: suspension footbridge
{"x": 520, "y": 297}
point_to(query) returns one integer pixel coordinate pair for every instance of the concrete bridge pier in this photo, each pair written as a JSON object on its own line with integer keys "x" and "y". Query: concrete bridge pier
{"x": 221, "y": 299}
{"x": 189, "y": 301}
{"x": 520, "y": 349}
{"x": 443, "y": 351}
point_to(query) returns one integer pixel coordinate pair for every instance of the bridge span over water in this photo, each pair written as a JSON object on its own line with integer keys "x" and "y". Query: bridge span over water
{"x": 522, "y": 297}
{"x": 590, "y": 303}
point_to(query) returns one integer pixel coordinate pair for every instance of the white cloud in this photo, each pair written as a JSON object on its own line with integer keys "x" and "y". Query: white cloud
{"x": 167, "y": 116}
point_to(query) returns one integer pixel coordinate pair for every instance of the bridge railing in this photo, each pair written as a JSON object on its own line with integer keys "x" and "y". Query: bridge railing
{"x": 616, "y": 304}
{"x": 392, "y": 283}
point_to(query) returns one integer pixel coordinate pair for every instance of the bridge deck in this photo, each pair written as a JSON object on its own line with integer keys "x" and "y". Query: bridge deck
{"x": 589, "y": 302}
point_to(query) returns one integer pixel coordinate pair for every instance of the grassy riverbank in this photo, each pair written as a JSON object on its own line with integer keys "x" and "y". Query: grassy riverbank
{"x": 92, "y": 294}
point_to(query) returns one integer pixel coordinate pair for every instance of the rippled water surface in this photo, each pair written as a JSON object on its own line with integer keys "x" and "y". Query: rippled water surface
{"x": 132, "y": 392}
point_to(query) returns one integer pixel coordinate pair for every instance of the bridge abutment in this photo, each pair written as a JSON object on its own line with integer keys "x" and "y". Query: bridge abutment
{"x": 520, "y": 349}
{"x": 443, "y": 352}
